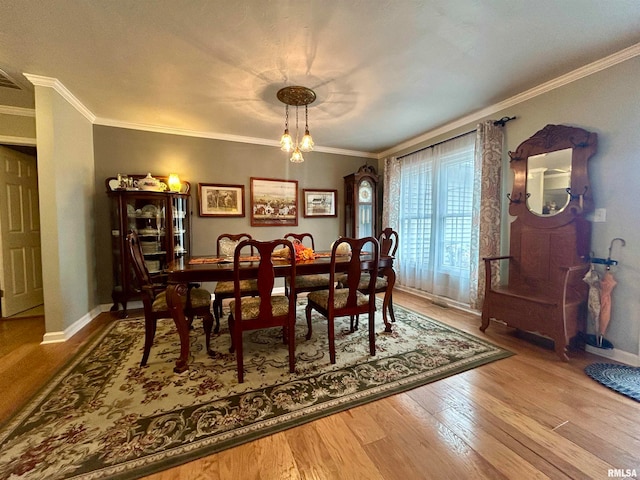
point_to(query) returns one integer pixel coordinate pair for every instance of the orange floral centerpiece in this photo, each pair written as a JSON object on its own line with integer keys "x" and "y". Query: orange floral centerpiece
{"x": 302, "y": 252}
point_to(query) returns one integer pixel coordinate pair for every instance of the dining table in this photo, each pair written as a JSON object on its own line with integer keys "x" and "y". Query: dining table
{"x": 187, "y": 270}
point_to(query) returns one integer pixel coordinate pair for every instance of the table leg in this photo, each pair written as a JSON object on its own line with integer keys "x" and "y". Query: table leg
{"x": 391, "y": 281}
{"x": 174, "y": 292}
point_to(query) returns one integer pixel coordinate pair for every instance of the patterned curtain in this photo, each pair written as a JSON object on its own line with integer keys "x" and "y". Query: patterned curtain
{"x": 486, "y": 205}
{"x": 391, "y": 193}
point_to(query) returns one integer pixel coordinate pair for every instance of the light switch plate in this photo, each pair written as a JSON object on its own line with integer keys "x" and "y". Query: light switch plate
{"x": 600, "y": 215}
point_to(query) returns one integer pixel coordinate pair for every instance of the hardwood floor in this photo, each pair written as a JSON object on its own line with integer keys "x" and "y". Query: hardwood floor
{"x": 527, "y": 416}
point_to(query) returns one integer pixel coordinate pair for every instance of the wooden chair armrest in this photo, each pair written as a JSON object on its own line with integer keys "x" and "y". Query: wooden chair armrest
{"x": 570, "y": 273}
{"x": 488, "y": 267}
{"x": 490, "y": 259}
{"x": 565, "y": 287}
{"x": 160, "y": 278}
{"x": 574, "y": 268}
{"x": 152, "y": 290}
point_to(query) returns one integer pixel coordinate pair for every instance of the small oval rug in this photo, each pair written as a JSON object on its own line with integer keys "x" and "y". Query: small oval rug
{"x": 621, "y": 378}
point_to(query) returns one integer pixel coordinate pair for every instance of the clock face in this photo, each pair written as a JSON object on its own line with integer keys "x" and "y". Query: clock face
{"x": 365, "y": 191}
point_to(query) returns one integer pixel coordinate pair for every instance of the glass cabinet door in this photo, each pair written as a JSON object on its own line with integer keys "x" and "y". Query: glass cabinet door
{"x": 180, "y": 226}
{"x": 365, "y": 214}
{"x": 117, "y": 248}
{"x": 147, "y": 216}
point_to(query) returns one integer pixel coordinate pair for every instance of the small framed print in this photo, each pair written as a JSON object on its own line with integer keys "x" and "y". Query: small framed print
{"x": 320, "y": 203}
{"x": 274, "y": 202}
{"x": 218, "y": 200}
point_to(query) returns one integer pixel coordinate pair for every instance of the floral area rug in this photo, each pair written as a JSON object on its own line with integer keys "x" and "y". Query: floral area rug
{"x": 103, "y": 416}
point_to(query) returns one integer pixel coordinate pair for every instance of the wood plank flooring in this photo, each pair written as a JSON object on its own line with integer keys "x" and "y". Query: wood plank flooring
{"x": 529, "y": 416}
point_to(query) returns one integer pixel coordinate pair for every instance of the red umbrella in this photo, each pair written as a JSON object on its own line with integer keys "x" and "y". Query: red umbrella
{"x": 606, "y": 286}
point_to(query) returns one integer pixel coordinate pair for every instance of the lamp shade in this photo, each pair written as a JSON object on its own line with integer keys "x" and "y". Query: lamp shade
{"x": 174, "y": 183}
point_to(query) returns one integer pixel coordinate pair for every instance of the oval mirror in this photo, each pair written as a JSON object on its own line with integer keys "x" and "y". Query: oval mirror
{"x": 548, "y": 177}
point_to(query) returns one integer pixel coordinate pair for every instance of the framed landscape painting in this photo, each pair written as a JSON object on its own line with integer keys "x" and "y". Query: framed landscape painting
{"x": 274, "y": 202}
{"x": 218, "y": 200}
{"x": 320, "y": 203}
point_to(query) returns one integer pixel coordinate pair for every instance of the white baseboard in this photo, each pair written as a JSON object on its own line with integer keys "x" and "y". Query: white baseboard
{"x": 617, "y": 355}
{"x": 71, "y": 330}
{"x": 438, "y": 300}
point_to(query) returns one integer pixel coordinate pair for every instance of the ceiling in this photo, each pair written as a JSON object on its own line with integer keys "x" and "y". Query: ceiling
{"x": 384, "y": 71}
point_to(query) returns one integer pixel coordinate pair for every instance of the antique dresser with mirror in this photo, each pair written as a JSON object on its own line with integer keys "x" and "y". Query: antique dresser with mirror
{"x": 549, "y": 239}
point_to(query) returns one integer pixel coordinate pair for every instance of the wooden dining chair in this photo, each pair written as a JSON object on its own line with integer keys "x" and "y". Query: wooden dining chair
{"x": 197, "y": 302}
{"x": 388, "y": 241}
{"x": 225, "y": 247}
{"x": 305, "y": 283}
{"x": 348, "y": 301}
{"x": 265, "y": 310}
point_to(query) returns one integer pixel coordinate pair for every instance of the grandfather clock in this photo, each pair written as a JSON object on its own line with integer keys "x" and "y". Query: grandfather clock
{"x": 361, "y": 203}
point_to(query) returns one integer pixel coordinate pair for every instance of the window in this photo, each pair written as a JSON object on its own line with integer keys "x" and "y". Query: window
{"x": 436, "y": 199}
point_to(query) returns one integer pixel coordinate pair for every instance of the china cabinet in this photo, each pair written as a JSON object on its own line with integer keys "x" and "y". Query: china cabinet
{"x": 361, "y": 203}
{"x": 160, "y": 218}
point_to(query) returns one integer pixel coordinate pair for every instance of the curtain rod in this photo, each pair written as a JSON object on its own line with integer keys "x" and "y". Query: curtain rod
{"x": 503, "y": 120}
{"x": 500, "y": 122}
{"x": 437, "y": 143}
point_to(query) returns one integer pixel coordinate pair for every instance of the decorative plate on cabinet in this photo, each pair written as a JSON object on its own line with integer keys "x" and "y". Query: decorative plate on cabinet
{"x": 149, "y": 211}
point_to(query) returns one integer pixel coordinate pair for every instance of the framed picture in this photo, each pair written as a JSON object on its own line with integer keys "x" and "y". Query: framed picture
{"x": 320, "y": 203}
{"x": 274, "y": 202}
{"x": 220, "y": 200}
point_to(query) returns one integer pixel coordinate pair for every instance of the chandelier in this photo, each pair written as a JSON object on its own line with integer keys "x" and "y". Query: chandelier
{"x": 296, "y": 97}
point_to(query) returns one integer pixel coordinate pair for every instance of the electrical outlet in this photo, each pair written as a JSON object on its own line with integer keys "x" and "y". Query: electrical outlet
{"x": 600, "y": 215}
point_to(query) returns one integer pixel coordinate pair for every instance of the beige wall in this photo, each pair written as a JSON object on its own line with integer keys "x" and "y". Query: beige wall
{"x": 18, "y": 126}
{"x": 17, "y": 116}
{"x": 67, "y": 193}
{"x": 119, "y": 150}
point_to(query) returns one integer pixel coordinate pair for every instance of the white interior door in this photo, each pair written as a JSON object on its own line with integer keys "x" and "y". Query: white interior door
{"x": 21, "y": 265}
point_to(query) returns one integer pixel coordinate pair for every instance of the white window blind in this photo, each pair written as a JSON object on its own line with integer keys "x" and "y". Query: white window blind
{"x": 436, "y": 200}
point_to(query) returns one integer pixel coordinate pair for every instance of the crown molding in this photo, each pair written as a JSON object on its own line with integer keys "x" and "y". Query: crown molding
{"x": 54, "y": 83}
{"x": 341, "y": 151}
{"x": 570, "y": 77}
{"x": 18, "y": 111}
{"x": 9, "y": 140}
{"x": 594, "y": 67}
{"x": 108, "y": 122}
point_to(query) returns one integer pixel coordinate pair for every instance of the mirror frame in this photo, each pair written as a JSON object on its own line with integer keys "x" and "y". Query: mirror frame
{"x": 551, "y": 138}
